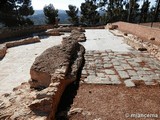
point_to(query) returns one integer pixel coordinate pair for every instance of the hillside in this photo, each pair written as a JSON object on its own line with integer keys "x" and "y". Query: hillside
{"x": 39, "y": 18}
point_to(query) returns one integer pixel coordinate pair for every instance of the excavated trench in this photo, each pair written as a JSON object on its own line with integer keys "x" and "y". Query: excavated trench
{"x": 58, "y": 70}
{"x": 68, "y": 97}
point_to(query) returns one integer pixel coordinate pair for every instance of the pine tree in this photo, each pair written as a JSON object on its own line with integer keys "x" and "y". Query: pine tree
{"x": 89, "y": 13}
{"x": 157, "y": 11}
{"x": 133, "y": 8}
{"x": 115, "y": 11}
{"x": 12, "y": 12}
{"x": 73, "y": 14}
{"x": 51, "y": 14}
{"x": 144, "y": 11}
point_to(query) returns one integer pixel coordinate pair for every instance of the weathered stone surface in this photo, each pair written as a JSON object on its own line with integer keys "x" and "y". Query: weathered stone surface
{"x": 108, "y": 65}
{"x": 3, "y": 47}
{"x": 109, "y": 72}
{"x": 3, "y": 50}
{"x": 132, "y": 72}
{"x": 46, "y": 64}
{"x": 15, "y": 105}
{"x": 51, "y": 32}
{"x": 92, "y": 79}
{"x": 23, "y": 42}
{"x": 129, "y": 83}
{"x": 64, "y": 29}
{"x": 120, "y": 66}
{"x": 20, "y": 31}
{"x": 69, "y": 29}
{"x": 58, "y": 65}
{"x": 123, "y": 74}
{"x": 51, "y": 73}
{"x": 114, "y": 79}
{"x": 139, "y": 44}
{"x": 111, "y": 27}
{"x": 76, "y": 35}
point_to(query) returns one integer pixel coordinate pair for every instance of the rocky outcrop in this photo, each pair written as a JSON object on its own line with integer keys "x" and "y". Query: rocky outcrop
{"x": 51, "y": 73}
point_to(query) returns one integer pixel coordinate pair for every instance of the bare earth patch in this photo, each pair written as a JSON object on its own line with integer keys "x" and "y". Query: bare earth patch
{"x": 108, "y": 102}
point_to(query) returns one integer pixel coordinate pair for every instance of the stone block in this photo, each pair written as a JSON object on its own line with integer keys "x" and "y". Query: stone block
{"x": 129, "y": 83}
{"x": 110, "y": 72}
{"x": 123, "y": 74}
{"x": 23, "y": 42}
{"x": 3, "y": 50}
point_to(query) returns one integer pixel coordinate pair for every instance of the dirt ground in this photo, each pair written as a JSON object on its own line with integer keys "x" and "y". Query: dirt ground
{"x": 111, "y": 102}
{"x": 141, "y": 31}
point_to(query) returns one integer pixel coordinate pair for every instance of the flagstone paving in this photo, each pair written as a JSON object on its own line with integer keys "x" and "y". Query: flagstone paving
{"x": 109, "y": 67}
{"x": 108, "y": 60}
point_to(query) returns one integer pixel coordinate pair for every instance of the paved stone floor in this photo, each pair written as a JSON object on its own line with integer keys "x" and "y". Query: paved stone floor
{"x": 119, "y": 65}
{"x": 102, "y": 39}
{"x": 114, "y": 62}
{"x": 109, "y": 67}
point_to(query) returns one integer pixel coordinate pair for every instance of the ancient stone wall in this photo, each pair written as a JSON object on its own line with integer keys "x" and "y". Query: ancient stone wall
{"x": 21, "y": 31}
{"x": 3, "y": 50}
{"x": 3, "y": 47}
{"x": 142, "y": 46}
{"x": 50, "y": 32}
{"x": 51, "y": 73}
{"x": 69, "y": 29}
{"x": 54, "y": 70}
{"x": 138, "y": 43}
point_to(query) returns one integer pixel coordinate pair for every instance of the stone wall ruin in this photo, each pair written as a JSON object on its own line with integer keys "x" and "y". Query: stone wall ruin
{"x": 51, "y": 73}
{"x": 132, "y": 33}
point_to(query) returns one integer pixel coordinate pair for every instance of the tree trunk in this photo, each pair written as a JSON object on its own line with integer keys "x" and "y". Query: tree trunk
{"x": 141, "y": 15}
{"x": 129, "y": 12}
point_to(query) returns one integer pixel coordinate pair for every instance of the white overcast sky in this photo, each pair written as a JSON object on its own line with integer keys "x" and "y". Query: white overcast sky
{"x": 60, "y": 4}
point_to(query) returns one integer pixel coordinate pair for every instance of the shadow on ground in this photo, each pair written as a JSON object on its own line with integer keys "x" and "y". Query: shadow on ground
{"x": 68, "y": 97}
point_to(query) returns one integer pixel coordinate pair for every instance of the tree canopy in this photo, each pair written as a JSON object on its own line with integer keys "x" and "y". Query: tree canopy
{"x": 129, "y": 10}
{"x": 51, "y": 14}
{"x": 73, "y": 14}
{"x": 89, "y": 13}
{"x": 14, "y": 12}
{"x": 92, "y": 12}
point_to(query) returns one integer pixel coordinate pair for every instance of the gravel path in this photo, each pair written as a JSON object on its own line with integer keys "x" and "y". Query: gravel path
{"x": 15, "y": 66}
